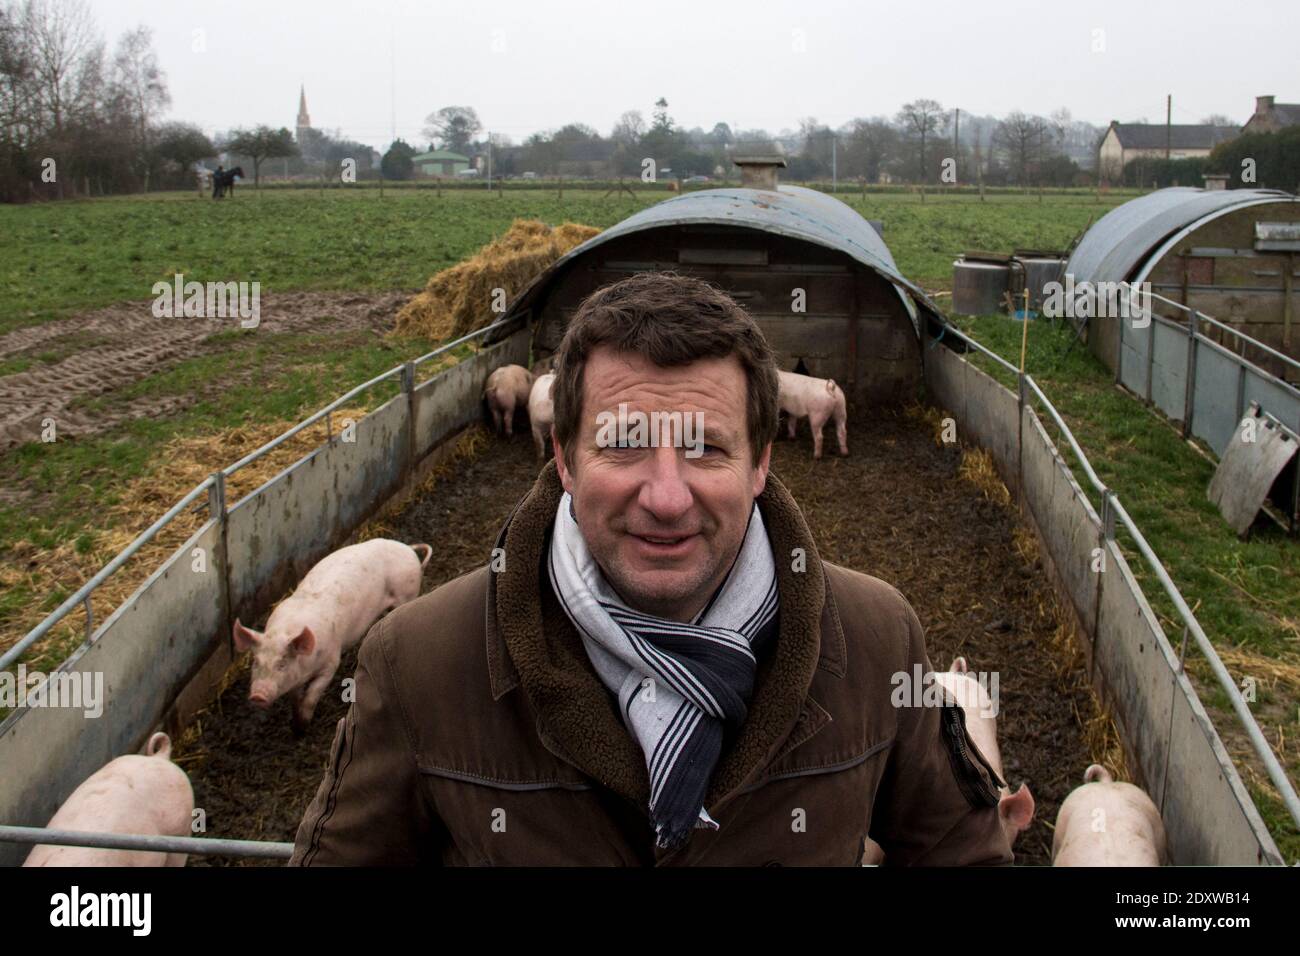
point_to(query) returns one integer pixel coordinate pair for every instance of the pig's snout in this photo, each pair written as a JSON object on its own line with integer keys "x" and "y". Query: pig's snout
{"x": 260, "y": 696}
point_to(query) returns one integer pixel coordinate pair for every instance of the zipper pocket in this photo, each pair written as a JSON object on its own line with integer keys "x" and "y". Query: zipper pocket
{"x": 978, "y": 782}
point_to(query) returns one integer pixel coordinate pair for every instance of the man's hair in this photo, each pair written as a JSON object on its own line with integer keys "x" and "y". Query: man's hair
{"x": 671, "y": 319}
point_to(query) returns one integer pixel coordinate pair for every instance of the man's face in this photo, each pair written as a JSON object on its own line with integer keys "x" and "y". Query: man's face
{"x": 630, "y": 500}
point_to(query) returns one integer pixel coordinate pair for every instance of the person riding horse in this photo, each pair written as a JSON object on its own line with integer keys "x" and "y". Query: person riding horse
{"x": 224, "y": 179}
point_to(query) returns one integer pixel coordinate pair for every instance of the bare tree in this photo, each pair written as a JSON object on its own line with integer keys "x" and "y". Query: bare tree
{"x": 453, "y": 127}
{"x": 629, "y": 129}
{"x": 1023, "y": 139}
{"x": 66, "y": 56}
{"x": 871, "y": 145}
{"x": 142, "y": 87}
{"x": 919, "y": 119}
{"x": 260, "y": 145}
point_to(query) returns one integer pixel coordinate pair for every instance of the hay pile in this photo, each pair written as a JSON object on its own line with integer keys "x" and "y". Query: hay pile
{"x": 459, "y": 300}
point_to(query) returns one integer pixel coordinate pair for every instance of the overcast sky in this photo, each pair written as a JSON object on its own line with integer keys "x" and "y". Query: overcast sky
{"x": 528, "y": 66}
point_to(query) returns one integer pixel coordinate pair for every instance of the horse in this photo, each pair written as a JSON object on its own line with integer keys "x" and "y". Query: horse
{"x": 225, "y": 179}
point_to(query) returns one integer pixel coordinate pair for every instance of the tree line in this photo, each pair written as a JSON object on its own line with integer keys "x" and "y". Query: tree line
{"x": 923, "y": 143}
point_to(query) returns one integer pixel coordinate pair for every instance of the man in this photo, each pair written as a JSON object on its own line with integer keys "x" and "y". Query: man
{"x": 656, "y": 667}
{"x": 218, "y": 182}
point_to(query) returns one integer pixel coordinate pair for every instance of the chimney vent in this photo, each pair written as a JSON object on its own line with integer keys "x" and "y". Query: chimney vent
{"x": 759, "y": 172}
{"x": 1263, "y": 104}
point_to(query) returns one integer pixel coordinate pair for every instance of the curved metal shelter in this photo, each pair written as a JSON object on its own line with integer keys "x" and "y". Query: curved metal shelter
{"x": 1118, "y": 244}
{"x": 1230, "y": 254}
{"x": 773, "y": 250}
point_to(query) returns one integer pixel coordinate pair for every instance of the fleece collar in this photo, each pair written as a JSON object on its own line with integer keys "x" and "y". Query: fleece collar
{"x": 531, "y": 643}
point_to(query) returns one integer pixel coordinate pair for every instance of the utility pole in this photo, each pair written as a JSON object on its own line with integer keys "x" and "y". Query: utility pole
{"x": 1169, "y": 129}
{"x": 835, "y": 178}
{"x": 489, "y": 160}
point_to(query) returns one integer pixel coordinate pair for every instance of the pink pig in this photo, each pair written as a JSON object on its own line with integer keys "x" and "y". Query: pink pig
{"x": 1015, "y": 810}
{"x": 541, "y": 412}
{"x": 146, "y": 796}
{"x": 332, "y": 609}
{"x": 818, "y": 400}
{"x": 507, "y": 391}
{"x": 1104, "y": 823}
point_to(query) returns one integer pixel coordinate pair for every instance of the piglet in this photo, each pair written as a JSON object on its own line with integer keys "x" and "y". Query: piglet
{"x": 541, "y": 412}
{"x": 818, "y": 400}
{"x": 332, "y": 609}
{"x": 1105, "y": 823}
{"x": 1015, "y": 810}
{"x": 145, "y": 796}
{"x": 507, "y": 391}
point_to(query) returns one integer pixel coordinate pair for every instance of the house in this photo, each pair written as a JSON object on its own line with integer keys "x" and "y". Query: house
{"x": 1270, "y": 117}
{"x": 439, "y": 162}
{"x": 1125, "y": 142}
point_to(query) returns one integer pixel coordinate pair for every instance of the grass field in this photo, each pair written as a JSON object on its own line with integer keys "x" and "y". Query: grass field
{"x": 60, "y": 258}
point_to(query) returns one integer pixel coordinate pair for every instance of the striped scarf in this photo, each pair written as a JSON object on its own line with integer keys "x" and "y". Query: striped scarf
{"x": 678, "y": 685}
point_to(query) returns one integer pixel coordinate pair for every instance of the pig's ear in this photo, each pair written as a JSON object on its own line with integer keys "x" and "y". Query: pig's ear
{"x": 1018, "y": 808}
{"x": 304, "y": 643}
{"x": 244, "y": 638}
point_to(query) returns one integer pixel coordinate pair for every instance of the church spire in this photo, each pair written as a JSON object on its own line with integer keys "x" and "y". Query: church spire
{"x": 304, "y": 121}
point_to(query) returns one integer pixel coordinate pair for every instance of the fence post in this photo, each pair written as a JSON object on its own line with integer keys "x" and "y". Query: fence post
{"x": 217, "y": 512}
{"x": 1021, "y": 388}
{"x": 1189, "y": 399}
{"x": 408, "y": 387}
{"x": 1151, "y": 353}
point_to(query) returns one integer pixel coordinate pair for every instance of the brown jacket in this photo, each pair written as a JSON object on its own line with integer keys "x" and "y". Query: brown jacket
{"x": 487, "y": 738}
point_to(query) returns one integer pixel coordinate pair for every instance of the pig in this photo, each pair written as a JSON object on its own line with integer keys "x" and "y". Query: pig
{"x": 332, "y": 609}
{"x": 507, "y": 391}
{"x": 1104, "y": 823}
{"x": 1015, "y": 810}
{"x": 818, "y": 400}
{"x": 541, "y": 412}
{"x": 145, "y": 796}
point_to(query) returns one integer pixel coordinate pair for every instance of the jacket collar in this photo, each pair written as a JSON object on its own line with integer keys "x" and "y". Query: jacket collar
{"x": 531, "y": 643}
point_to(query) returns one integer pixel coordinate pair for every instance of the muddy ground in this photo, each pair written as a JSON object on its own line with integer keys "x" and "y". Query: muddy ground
{"x": 104, "y": 350}
{"x": 895, "y": 508}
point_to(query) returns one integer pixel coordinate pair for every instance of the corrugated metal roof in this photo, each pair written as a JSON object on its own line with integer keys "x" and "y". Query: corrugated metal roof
{"x": 1120, "y": 241}
{"x": 789, "y": 211}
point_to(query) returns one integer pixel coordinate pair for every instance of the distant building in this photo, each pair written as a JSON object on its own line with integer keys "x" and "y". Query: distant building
{"x": 439, "y": 162}
{"x": 1270, "y": 117}
{"x": 1125, "y": 142}
{"x": 304, "y": 121}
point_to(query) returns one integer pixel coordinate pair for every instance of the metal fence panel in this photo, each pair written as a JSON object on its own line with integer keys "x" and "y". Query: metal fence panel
{"x": 277, "y": 532}
{"x": 1209, "y": 816}
{"x": 1133, "y": 347}
{"x": 145, "y": 651}
{"x": 1169, "y": 375}
{"x": 453, "y": 399}
{"x": 1275, "y": 398}
{"x": 1215, "y": 412}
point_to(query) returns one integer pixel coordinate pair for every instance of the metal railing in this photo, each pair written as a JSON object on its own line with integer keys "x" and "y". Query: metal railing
{"x": 1112, "y": 509}
{"x": 214, "y": 483}
{"x": 196, "y": 846}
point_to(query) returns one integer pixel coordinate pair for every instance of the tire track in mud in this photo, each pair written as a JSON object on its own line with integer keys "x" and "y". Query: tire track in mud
{"x": 139, "y": 344}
